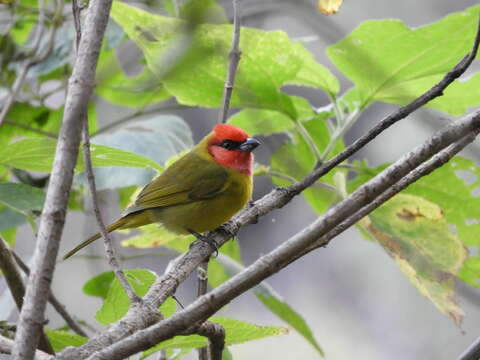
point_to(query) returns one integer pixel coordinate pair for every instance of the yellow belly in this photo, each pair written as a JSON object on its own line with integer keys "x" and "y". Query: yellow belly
{"x": 208, "y": 214}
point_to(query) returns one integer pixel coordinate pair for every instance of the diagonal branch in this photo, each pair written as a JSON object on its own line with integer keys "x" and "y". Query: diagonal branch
{"x": 188, "y": 262}
{"x": 53, "y": 215}
{"x": 472, "y": 352}
{"x": 453, "y": 138}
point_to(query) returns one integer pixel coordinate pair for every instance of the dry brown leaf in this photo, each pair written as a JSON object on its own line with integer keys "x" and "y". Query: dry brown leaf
{"x": 329, "y": 7}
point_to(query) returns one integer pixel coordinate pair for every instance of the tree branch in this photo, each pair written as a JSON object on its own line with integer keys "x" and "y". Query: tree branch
{"x": 426, "y": 168}
{"x": 472, "y": 352}
{"x": 17, "y": 288}
{"x": 107, "y": 239}
{"x": 234, "y": 56}
{"x": 202, "y": 286}
{"x": 216, "y": 338}
{"x": 459, "y": 134}
{"x": 53, "y": 215}
{"x": 6, "y": 346}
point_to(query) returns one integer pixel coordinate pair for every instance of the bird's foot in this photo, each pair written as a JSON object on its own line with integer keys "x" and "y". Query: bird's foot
{"x": 213, "y": 244}
{"x": 225, "y": 228}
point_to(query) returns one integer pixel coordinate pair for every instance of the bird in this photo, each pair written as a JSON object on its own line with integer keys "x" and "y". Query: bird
{"x": 199, "y": 192}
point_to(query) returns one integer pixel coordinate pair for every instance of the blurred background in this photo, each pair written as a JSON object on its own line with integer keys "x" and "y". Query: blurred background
{"x": 357, "y": 302}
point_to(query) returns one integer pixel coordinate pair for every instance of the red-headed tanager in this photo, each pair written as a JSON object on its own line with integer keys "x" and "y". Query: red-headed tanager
{"x": 200, "y": 191}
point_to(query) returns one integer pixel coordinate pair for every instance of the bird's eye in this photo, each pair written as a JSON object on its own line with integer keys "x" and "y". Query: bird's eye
{"x": 229, "y": 144}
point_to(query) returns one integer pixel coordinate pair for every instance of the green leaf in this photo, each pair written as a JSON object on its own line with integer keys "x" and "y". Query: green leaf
{"x": 21, "y": 30}
{"x": 34, "y": 117}
{"x": 267, "y": 122}
{"x": 60, "y": 54}
{"x": 29, "y": 154}
{"x": 99, "y": 285}
{"x": 217, "y": 273}
{"x": 61, "y": 339}
{"x": 452, "y": 187}
{"x": 269, "y": 60}
{"x": 130, "y": 91}
{"x": 10, "y": 235}
{"x": 273, "y": 302}
{"x": 459, "y": 97}
{"x": 236, "y": 331}
{"x": 170, "y": 7}
{"x": 110, "y": 156}
{"x": 117, "y": 303}
{"x": 10, "y": 219}
{"x": 416, "y": 234}
{"x": 37, "y": 154}
{"x": 21, "y": 197}
{"x": 168, "y": 308}
{"x": 296, "y": 160}
{"x": 314, "y": 74}
{"x": 470, "y": 272}
{"x": 159, "y": 138}
{"x": 154, "y": 235}
{"x": 205, "y": 11}
{"x": 407, "y": 62}
{"x": 285, "y": 312}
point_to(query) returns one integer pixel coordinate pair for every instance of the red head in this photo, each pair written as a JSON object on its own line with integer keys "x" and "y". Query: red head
{"x": 231, "y": 146}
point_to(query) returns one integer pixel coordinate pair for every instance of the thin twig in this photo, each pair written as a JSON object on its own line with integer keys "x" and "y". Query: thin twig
{"x": 202, "y": 285}
{"x": 139, "y": 112}
{"x": 187, "y": 263}
{"x": 308, "y": 139}
{"x": 234, "y": 56}
{"x": 215, "y": 333}
{"x": 107, "y": 240}
{"x": 17, "y": 288}
{"x": 77, "y": 23}
{"x": 80, "y": 88}
{"x": 57, "y": 305}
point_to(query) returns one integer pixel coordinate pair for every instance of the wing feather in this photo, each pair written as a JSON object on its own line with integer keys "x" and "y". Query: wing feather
{"x": 189, "y": 179}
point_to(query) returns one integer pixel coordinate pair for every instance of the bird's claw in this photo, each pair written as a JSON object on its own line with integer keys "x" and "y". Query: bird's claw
{"x": 213, "y": 244}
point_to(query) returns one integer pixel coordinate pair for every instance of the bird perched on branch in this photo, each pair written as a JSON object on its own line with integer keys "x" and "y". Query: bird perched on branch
{"x": 199, "y": 192}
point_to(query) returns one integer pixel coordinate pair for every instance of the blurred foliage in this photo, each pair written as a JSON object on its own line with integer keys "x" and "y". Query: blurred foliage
{"x": 177, "y": 56}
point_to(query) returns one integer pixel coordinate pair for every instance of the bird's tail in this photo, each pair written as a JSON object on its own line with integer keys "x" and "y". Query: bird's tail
{"x": 114, "y": 226}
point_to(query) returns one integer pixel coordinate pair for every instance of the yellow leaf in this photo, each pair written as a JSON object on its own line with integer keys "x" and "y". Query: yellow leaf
{"x": 415, "y": 233}
{"x": 329, "y": 7}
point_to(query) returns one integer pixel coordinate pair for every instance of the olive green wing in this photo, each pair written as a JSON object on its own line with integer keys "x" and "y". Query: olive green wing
{"x": 189, "y": 179}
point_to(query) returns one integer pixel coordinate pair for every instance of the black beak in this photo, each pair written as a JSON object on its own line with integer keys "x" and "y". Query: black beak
{"x": 249, "y": 145}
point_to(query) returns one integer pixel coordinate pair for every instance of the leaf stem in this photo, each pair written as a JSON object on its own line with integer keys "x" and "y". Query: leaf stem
{"x": 308, "y": 139}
